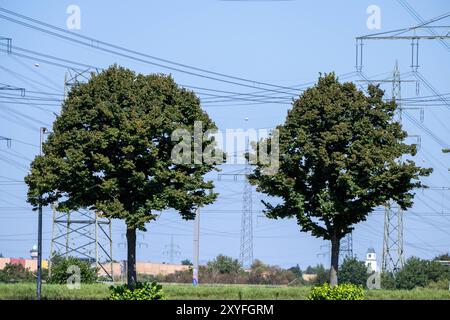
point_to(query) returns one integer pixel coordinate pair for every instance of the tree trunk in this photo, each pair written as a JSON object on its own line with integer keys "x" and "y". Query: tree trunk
{"x": 335, "y": 243}
{"x": 131, "y": 256}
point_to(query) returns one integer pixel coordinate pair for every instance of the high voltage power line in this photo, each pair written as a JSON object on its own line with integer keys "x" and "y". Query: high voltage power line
{"x": 257, "y": 98}
{"x": 131, "y": 54}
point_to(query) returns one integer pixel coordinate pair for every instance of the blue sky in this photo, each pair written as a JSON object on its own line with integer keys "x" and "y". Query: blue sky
{"x": 281, "y": 42}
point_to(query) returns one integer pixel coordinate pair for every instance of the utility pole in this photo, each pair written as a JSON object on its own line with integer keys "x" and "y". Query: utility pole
{"x": 42, "y": 132}
{"x": 196, "y": 248}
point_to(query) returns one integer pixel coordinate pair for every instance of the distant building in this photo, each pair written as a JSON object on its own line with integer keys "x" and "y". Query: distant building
{"x": 30, "y": 264}
{"x": 309, "y": 277}
{"x": 371, "y": 260}
{"x": 119, "y": 268}
{"x": 150, "y": 268}
{"x": 34, "y": 252}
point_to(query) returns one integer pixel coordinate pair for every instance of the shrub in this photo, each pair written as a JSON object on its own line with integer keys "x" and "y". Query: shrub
{"x": 388, "y": 281}
{"x": 261, "y": 273}
{"x": 138, "y": 291}
{"x": 442, "y": 284}
{"x": 186, "y": 262}
{"x": 225, "y": 265}
{"x": 353, "y": 271}
{"x": 345, "y": 291}
{"x": 419, "y": 273}
{"x": 15, "y": 273}
{"x": 296, "y": 271}
{"x": 323, "y": 276}
{"x": 63, "y": 269}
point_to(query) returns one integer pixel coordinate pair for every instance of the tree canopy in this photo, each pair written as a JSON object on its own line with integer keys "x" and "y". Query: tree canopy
{"x": 339, "y": 159}
{"x": 224, "y": 264}
{"x": 353, "y": 271}
{"x": 110, "y": 151}
{"x": 420, "y": 273}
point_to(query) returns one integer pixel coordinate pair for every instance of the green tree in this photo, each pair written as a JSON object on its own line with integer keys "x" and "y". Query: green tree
{"x": 110, "y": 151}
{"x": 353, "y": 271}
{"x": 261, "y": 273}
{"x": 419, "y": 273}
{"x": 339, "y": 151}
{"x": 15, "y": 272}
{"x": 63, "y": 268}
{"x": 223, "y": 264}
{"x": 388, "y": 281}
{"x": 296, "y": 270}
{"x": 322, "y": 275}
{"x": 186, "y": 262}
{"x": 443, "y": 257}
{"x": 310, "y": 270}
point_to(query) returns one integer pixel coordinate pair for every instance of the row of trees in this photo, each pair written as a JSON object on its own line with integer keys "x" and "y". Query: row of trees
{"x": 63, "y": 271}
{"x": 227, "y": 270}
{"x": 16, "y": 273}
{"x": 110, "y": 151}
{"x": 416, "y": 273}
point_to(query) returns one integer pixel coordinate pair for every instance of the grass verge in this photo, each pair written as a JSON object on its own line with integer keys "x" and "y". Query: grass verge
{"x": 25, "y": 291}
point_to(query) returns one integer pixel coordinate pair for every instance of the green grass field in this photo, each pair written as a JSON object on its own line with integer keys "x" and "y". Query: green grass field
{"x": 178, "y": 291}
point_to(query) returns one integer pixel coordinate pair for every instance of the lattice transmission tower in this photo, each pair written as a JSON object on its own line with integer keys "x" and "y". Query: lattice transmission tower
{"x": 246, "y": 234}
{"x": 171, "y": 250}
{"x": 393, "y": 254}
{"x": 84, "y": 233}
{"x": 246, "y": 252}
{"x": 346, "y": 247}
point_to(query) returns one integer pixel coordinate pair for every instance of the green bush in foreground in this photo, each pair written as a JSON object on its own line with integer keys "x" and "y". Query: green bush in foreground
{"x": 139, "y": 291}
{"x": 345, "y": 291}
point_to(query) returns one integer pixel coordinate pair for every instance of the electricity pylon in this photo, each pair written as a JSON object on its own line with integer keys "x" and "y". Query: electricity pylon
{"x": 84, "y": 234}
{"x": 393, "y": 256}
{"x": 246, "y": 252}
{"x": 393, "y": 253}
{"x": 171, "y": 250}
{"x": 246, "y": 244}
{"x": 346, "y": 247}
{"x": 7, "y": 140}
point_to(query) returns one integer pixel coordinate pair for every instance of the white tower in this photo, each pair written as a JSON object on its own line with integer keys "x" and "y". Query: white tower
{"x": 371, "y": 260}
{"x": 34, "y": 252}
